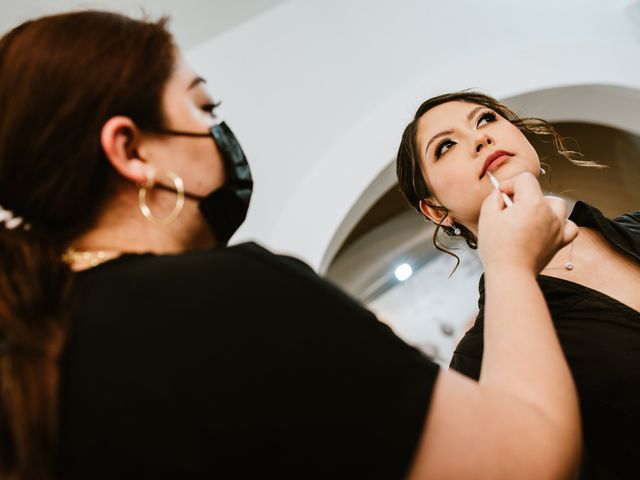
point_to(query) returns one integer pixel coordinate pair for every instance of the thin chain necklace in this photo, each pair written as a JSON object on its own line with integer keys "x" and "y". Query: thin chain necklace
{"x": 568, "y": 265}
{"x": 87, "y": 258}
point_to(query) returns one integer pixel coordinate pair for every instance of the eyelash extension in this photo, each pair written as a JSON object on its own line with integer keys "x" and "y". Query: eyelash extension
{"x": 438, "y": 151}
{"x": 488, "y": 114}
{"x": 211, "y": 107}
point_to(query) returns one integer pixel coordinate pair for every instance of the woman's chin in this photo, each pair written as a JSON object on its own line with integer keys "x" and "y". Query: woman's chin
{"x": 512, "y": 169}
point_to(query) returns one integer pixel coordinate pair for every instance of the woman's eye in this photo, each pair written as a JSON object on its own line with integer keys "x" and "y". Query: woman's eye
{"x": 443, "y": 147}
{"x": 210, "y": 108}
{"x": 485, "y": 118}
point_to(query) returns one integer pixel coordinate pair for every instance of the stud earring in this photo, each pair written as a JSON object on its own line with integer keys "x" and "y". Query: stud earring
{"x": 456, "y": 231}
{"x": 542, "y": 171}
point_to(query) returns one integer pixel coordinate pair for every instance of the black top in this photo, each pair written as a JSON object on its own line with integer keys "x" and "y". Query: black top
{"x": 601, "y": 341}
{"x": 233, "y": 363}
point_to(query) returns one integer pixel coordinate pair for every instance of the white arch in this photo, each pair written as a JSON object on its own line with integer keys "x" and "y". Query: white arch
{"x": 349, "y": 179}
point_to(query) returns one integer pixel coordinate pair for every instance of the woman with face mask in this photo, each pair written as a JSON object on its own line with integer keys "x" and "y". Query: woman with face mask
{"x": 135, "y": 344}
{"x": 448, "y": 153}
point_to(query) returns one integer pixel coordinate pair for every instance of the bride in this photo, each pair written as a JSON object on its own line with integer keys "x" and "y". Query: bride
{"x": 447, "y": 155}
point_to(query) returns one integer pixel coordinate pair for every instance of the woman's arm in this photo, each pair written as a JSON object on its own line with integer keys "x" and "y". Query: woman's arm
{"x": 521, "y": 420}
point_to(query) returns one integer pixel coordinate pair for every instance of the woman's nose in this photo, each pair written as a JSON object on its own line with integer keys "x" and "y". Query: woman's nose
{"x": 481, "y": 142}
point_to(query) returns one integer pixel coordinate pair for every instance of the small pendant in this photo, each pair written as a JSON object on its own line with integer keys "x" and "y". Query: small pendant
{"x": 568, "y": 265}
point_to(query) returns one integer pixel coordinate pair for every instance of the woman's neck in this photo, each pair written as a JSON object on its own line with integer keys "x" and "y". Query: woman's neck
{"x": 124, "y": 229}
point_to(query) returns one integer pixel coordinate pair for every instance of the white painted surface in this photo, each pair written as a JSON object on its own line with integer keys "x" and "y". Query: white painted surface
{"x": 192, "y": 21}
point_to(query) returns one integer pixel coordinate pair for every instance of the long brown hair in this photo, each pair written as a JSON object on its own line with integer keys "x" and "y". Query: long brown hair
{"x": 61, "y": 78}
{"x": 411, "y": 179}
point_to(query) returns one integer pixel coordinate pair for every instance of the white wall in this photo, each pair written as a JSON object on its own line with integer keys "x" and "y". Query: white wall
{"x": 318, "y": 91}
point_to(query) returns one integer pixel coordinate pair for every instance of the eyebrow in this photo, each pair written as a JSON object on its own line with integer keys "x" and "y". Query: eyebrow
{"x": 196, "y": 81}
{"x": 471, "y": 114}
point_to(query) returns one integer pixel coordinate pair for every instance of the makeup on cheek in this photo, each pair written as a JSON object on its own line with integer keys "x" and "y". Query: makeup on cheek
{"x": 494, "y": 181}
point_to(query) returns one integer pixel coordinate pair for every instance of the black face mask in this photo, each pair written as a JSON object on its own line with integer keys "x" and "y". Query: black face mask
{"x": 226, "y": 207}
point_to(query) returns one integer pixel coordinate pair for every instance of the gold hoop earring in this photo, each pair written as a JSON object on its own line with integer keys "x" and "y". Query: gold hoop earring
{"x": 146, "y": 211}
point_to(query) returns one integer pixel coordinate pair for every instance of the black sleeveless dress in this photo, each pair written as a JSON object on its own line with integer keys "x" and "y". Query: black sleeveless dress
{"x": 600, "y": 337}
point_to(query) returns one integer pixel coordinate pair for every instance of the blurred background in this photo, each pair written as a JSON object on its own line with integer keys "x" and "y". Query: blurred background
{"x": 319, "y": 91}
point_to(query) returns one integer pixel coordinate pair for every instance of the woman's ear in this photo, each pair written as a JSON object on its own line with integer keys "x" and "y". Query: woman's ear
{"x": 118, "y": 139}
{"x": 434, "y": 212}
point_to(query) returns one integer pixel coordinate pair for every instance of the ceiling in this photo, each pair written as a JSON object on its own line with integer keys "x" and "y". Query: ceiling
{"x": 193, "y": 21}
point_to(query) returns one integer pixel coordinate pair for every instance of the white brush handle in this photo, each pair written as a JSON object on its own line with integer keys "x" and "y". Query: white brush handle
{"x": 507, "y": 201}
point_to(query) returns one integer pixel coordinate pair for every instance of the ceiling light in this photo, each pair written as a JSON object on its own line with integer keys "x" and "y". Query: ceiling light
{"x": 403, "y": 272}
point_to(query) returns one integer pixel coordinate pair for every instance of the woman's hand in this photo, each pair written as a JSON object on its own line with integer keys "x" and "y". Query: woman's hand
{"x": 526, "y": 235}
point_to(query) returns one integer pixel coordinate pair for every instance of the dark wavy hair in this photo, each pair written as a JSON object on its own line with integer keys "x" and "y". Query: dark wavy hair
{"x": 412, "y": 181}
{"x": 61, "y": 78}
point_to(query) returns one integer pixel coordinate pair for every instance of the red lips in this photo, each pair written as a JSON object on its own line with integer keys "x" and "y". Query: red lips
{"x": 497, "y": 156}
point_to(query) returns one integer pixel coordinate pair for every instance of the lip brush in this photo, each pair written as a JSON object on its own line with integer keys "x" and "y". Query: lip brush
{"x": 508, "y": 202}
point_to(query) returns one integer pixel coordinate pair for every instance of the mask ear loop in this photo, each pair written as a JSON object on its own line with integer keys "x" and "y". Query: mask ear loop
{"x": 144, "y": 207}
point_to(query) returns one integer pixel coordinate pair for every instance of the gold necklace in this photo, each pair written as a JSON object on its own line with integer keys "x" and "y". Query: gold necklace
{"x": 88, "y": 258}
